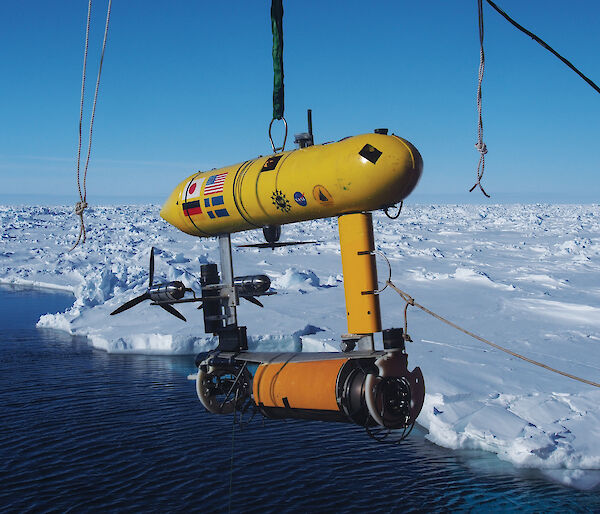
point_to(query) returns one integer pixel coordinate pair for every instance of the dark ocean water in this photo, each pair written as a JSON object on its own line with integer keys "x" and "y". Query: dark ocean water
{"x": 82, "y": 430}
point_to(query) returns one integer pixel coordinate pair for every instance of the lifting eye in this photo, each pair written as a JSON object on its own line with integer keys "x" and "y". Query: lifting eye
{"x": 370, "y": 153}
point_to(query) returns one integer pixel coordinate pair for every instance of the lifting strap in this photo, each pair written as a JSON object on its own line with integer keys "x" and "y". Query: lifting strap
{"x": 277, "y": 29}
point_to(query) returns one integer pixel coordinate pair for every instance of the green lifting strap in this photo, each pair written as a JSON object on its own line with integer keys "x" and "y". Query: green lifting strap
{"x": 277, "y": 28}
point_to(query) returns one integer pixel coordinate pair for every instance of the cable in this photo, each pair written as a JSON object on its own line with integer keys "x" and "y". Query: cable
{"x": 397, "y": 215}
{"x": 232, "y": 452}
{"x": 543, "y": 43}
{"x": 480, "y": 145}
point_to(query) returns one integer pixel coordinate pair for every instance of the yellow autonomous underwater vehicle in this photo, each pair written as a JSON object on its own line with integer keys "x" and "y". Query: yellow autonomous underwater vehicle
{"x": 347, "y": 179}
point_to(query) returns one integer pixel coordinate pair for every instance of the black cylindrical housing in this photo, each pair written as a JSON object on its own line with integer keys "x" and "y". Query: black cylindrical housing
{"x": 167, "y": 292}
{"x": 252, "y": 284}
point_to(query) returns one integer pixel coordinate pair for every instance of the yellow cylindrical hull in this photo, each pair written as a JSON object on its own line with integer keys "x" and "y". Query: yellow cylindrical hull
{"x": 360, "y": 173}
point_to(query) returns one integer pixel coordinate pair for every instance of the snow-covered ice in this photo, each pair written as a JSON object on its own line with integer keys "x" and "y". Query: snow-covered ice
{"x": 524, "y": 276}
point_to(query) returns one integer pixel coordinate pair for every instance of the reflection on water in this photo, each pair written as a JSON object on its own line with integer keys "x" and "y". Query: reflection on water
{"x": 86, "y": 430}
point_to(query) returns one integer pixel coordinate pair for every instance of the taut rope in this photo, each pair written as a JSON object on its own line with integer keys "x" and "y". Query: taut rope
{"x": 411, "y": 301}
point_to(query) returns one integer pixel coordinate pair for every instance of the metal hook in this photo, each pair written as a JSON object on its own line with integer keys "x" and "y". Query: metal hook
{"x": 275, "y": 150}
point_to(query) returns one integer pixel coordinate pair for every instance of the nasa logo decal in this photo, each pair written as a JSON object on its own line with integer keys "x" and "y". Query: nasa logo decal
{"x": 322, "y": 195}
{"x": 280, "y": 201}
{"x": 300, "y": 199}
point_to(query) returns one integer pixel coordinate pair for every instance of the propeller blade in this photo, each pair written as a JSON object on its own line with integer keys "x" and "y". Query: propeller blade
{"x": 151, "y": 267}
{"x": 277, "y": 245}
{"x": 253, "y": 300}
{"x": 131, "y": 303}
{"x": 171, "y": 310}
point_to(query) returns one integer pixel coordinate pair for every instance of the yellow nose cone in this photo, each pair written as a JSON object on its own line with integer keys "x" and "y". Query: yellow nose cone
{"x": 172, "y": 211}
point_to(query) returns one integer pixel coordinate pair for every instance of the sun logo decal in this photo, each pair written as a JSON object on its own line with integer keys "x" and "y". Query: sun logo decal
{"x": 280, "y": 201}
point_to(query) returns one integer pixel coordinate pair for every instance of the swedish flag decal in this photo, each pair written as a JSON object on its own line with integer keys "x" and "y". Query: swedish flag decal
{"x": 215, "y": 207}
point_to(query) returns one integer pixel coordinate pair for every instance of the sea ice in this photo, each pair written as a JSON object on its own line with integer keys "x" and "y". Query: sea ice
{"x": 524, "y": 276}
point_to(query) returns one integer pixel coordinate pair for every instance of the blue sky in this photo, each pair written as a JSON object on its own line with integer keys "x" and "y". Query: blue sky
{"x": 188, "y": 86}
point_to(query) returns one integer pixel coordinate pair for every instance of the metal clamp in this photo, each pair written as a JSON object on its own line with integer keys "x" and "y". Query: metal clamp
{"x": 275, "y": 150}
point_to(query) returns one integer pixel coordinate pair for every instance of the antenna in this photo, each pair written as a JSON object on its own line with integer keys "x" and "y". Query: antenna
{"x": 305, "y": 139}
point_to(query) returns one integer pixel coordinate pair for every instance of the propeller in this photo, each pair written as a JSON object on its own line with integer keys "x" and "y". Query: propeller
{"x": 151, "y": 268}
{"x": 162, "y": 295}
{"x": 171, "y": 310}
{"x": 131, "y": 303}
{"x": 253, "y": 300}
{"x": 166, "y": 294}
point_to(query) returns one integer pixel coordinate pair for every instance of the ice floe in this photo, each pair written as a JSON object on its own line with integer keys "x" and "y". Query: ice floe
{"x": 524, "y": 276}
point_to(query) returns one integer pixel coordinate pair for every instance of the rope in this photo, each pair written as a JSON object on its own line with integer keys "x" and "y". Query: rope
{"x": 82, "y": 204}
{"x": 232, "y": 449}
{"x": 544, "y": 44}
{"x": 411, "y": 301}
{"x": 480, "y": 145}
{"x": 277, "y": 29}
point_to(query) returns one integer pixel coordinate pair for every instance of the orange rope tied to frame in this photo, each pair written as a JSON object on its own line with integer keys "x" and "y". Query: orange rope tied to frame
{"x": 410, "y": 301}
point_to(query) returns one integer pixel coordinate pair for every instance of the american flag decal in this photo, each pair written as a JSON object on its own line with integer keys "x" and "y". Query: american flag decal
{"x": 215, "y": 184}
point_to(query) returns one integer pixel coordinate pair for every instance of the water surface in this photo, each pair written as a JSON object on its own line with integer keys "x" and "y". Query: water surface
{"x": 81, "y": 429}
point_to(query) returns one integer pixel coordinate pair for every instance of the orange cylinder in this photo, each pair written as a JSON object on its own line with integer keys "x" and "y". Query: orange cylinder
{"x": 298, "y": 385}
